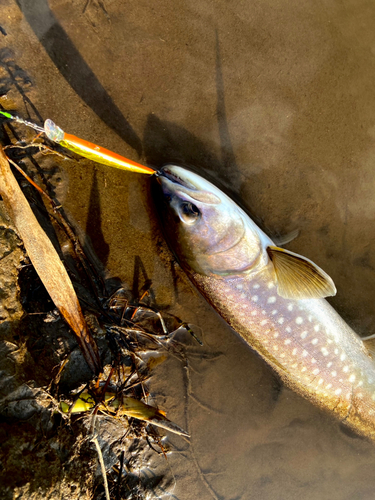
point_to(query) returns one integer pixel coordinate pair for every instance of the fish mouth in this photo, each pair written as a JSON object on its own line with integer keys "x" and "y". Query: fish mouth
{"x": 169, "y": 172}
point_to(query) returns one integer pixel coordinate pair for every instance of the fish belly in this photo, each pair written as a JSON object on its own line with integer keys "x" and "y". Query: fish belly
{"x": 308, "y": 344}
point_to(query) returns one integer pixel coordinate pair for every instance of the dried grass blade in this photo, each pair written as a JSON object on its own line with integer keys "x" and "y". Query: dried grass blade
{"x": 46, "y": 262}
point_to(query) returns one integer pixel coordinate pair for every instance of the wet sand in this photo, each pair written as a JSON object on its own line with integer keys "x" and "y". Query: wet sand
{"x": 276, "y": 101}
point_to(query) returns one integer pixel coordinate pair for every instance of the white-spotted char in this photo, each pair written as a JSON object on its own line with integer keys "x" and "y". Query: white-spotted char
{"x": 271, "y": 297}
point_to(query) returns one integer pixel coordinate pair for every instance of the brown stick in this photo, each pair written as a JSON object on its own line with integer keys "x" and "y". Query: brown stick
{"x": 46, "y": 262}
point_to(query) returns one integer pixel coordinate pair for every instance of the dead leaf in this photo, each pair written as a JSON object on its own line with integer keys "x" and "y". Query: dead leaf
{"x": 46, "y": 261}
{"x": 137, "y": 409}
{"x": 130, "y": 407}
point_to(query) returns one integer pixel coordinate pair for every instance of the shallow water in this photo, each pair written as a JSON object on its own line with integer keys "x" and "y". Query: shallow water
{"x": 275, "y": 100}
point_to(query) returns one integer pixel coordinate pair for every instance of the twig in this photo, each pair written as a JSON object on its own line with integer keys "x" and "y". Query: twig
{"x": 29, "y": 179}
{"x": 119, "y": 475}
{"x": 94, "y": 439}
{"x": 41, "y": 147}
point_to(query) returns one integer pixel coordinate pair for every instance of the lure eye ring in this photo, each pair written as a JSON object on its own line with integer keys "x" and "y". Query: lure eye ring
{"x": 189, "y": 213}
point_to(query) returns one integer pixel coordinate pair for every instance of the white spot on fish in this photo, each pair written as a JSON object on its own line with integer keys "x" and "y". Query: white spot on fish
{"x": 343, "y": 357}
{"x": 352, "y": 378}
{"x": 316, "y": 371}
{"x": 360, "y": 383}
{"x": 274, "y": 312}
{"x": 314, "y": 341}
{"x": 239, "y": 287}
{"x": 275, "y": 335}
{"x": 253, "y": 313}
{"x": 271, "y": 285}
{"x": 280, "y": 320}
{"x": 360, "y": 395}
{"x": 336, "y": 351}
{"x": 254, "y": 298}
{"x": 329, "y": 341}
{"x": 288, "y": 329}
{"x": 290, "y": 307}
{"x": 299, "y": 320}
{"x": 263, "y": 322}
{"x": 294, "y": 365}
{"x": 317, "y": 328}
{"x": 329, "y": 364}
{"x": 345, "y": 369}
{"x": 333, "y": 373}
{"x": 287, "y": 341}
{"x": 303, "y": 369}
{"x": 324, "y": 351}
{"x": 230, "y": 297}
{"x": 348, "y": 396}
{"x": 304, "y": 334}
{"x": 313, "y": 360}
{"x": 338, "y": 392}
{"x": 304, "y": 353}
{"x": 243, "y": 295}
{"x": 320, "y": 381}
{"x": 275, "y": 347}
{"x": 373, "y": 396}
{"x": 263, "y": 312}
{"x": 282, "y": 355}
{"x": 309, "y": 317}
{"x": 271, "y": 300}
{"x": 244, "y": 306}
{"x": 294, "y": 352}
{"x": 328, "y": 386}
{"x": 256, "y": 286}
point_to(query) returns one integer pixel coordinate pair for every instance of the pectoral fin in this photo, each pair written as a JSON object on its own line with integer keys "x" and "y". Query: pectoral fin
{"x": 298, "y": 277}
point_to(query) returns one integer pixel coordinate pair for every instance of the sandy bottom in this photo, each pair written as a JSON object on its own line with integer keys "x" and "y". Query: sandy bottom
{"x": 276, "y": 100}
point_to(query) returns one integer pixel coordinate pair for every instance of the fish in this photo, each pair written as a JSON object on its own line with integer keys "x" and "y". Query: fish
{"x": 273, "y": 298}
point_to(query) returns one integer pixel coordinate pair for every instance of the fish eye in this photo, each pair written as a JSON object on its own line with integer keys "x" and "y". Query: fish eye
{"x": 189, "y": 213}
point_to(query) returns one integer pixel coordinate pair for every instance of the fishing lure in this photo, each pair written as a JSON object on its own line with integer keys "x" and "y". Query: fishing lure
{"x": 82, "y": 147}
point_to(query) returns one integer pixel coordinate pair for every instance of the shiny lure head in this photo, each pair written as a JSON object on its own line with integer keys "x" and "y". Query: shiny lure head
{"x": 211, "y": 235}
{"x": 206, "y": 230}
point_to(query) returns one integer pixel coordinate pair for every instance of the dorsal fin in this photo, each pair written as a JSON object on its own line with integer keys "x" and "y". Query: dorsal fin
{"x": 370, "y": 347}
{"x": 286, "y": 238}
{"x": 369, "y": 343}
{"x": 298, "y": 277}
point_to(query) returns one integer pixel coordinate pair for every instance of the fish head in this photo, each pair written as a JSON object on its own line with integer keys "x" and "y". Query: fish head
{"x": 206, "y": 230}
